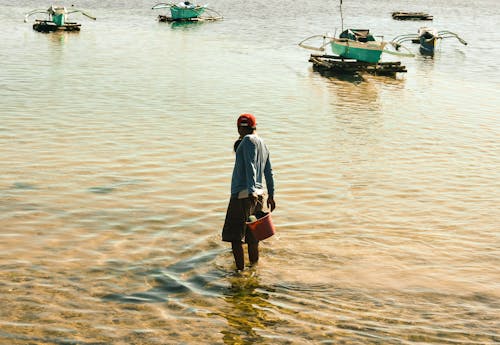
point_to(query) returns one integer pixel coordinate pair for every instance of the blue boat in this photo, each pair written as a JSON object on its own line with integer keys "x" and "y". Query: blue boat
{"x": 427, "y": 39}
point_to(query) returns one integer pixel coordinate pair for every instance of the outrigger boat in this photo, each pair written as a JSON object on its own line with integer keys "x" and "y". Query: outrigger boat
{"x": 427, "y": 38}
{"x": 357, "y": 44}
{"x": 57, "y": 16}
{"x": 186, "y": 11}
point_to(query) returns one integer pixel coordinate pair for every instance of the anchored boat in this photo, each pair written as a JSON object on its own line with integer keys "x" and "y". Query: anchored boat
{"x": 353, "y": 44}
{"x": 357, "y": 44}
{"x": 427, "y": 38}
{"x": 57, "y": 19}
{"x": 186, "y": 11}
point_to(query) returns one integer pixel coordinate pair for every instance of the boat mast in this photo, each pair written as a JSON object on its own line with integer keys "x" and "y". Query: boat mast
{"x": 341, "y": 18}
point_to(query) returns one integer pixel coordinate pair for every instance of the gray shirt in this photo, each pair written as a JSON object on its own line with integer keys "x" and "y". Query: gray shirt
{"x": 251, "y": 164}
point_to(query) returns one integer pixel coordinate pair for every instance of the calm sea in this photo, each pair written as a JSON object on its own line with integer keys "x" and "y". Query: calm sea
{"x": 116, "y": 158}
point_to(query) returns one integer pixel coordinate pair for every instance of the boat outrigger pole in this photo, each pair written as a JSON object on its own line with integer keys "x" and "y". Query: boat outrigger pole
{"x": 449, "y": 34}
{"x": 84, "y": 13}
{"x": 29, "y": 14}
{"x": 326, "y": 41}
{"x": 161, "y": 5}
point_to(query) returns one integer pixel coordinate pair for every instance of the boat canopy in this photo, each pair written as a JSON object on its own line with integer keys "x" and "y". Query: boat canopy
{"x": 357, "y": 35}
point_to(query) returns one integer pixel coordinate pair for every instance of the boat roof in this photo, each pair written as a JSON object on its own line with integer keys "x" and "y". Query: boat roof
{"x": 425, "y": 29}
{"x": 357, "y": 34}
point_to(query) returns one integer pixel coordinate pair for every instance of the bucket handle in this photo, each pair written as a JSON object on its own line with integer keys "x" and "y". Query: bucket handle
{"x": 262, "y": 204}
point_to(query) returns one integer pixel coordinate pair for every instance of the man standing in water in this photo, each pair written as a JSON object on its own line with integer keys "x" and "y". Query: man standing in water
{"x": 247, "y": 191}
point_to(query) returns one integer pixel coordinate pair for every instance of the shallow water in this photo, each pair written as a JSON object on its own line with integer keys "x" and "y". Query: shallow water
{"x": 116, "y": 161}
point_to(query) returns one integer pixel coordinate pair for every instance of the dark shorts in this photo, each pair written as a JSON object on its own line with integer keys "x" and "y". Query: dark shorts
{"x": 237, "y": 214}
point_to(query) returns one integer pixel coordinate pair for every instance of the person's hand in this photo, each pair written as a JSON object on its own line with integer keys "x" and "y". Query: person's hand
{"x": 254, "y": 198}
{"x": 271, "y": 204}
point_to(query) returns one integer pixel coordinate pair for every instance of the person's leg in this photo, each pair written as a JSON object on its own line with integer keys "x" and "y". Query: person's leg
{"x": 253, "y": 252}
{"x": 239, "y": 258}
{"x": 233, "y": 230}
{"x": 253, "y": 243}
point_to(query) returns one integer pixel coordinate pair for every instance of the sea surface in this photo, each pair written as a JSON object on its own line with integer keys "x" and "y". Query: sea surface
{"x": 116, "y": 157}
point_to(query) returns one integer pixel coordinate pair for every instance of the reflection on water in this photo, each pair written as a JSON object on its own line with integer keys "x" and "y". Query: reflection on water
{"x": 246, "y": 311}
{"x": 61, "y": 37}
{"x": 186, "y": 25}
{"x": 354, "y": 78}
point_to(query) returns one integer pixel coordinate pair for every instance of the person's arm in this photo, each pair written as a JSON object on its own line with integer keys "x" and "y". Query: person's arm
{"x": 268, "y": 174}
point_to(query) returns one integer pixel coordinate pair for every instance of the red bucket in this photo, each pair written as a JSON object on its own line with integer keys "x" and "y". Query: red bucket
{"x": 262, "y": 228}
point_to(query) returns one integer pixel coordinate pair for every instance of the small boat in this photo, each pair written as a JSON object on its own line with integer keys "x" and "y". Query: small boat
{"x": 186, "y": 11}
{"x": 359, "y": 45}
{"x": 427, "y": 38}
{"x": 57, "y": 19}
{"x": 356, "y": 44}
{"x": 411, "y": 16}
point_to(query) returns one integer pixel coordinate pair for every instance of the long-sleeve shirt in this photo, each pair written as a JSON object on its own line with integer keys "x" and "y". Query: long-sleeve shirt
{"x": 251, "y": 164}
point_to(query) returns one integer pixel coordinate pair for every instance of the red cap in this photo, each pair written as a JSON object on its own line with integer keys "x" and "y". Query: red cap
{"x": 247, "y": 120}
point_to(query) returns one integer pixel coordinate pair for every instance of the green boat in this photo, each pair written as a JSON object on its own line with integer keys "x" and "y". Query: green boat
{"x": 186, "y": 11}
{"x": 57, "y": 16}
{"x": 353, "y": 44}
{"x": 358, "y": 45}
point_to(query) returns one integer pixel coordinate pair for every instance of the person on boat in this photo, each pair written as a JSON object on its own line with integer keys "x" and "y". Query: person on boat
{"x": 185, "y": 4}
{"x": 252, "y": 163}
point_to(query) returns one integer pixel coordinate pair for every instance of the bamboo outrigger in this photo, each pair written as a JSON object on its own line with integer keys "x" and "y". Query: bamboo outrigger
{"x": 336, "y": 65}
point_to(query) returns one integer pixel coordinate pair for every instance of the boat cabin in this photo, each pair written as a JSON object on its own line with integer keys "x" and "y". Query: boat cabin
{"x": 357, "y": 35}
